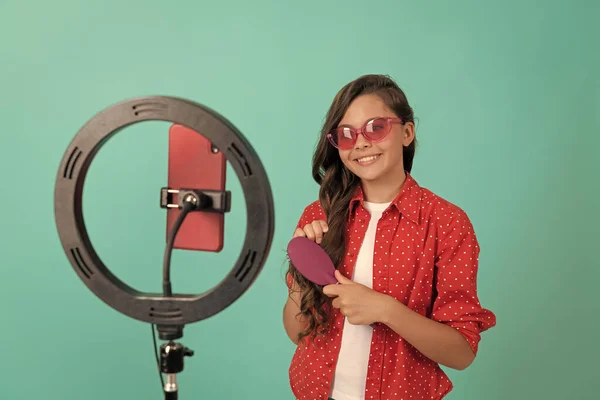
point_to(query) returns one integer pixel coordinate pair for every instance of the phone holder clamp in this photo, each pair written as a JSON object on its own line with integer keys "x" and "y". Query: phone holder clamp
{"x": 210, "y": 200}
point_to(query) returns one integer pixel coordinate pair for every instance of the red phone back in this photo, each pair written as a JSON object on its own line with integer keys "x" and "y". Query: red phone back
{"x": 193, "y": 165}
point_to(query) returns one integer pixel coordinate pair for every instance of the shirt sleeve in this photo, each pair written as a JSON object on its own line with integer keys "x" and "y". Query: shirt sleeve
{"x": 457, "y": 303}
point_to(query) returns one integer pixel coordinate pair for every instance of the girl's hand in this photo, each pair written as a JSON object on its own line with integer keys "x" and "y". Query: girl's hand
{"x": 314, "y": 231}
{"x": 358, "y": 303}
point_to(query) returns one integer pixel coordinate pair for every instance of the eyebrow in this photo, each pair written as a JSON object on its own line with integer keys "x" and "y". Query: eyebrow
{"x": 367, "y": 120}
{"x": 351, "y": 126}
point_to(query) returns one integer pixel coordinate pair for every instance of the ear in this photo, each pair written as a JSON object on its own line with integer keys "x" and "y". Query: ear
{"x": 408, "y": 133}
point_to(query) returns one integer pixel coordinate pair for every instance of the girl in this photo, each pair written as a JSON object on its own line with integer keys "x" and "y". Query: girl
{"x": 406, "y": 260}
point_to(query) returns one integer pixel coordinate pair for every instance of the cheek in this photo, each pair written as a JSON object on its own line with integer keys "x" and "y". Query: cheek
{"x": 346, "y": 160}
{"x": 344, "y": 155}
{"x": 393, "y": 148}
{"x": 388, "y": 145}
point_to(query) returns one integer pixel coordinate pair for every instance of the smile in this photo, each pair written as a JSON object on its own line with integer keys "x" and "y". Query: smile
{"x": 368, "y": 159}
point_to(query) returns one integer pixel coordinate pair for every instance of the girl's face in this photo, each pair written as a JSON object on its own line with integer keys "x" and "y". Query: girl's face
{"x": 372, "y": 161}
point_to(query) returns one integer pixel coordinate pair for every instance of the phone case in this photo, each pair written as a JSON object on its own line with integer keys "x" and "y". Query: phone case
{"x": 194, "y": 163}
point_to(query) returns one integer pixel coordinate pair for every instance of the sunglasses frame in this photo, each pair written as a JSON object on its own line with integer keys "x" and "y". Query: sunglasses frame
{"x": 354, "y": 132}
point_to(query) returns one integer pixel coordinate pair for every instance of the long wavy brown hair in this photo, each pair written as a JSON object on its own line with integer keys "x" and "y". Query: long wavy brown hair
{"x": 337, "y": 186}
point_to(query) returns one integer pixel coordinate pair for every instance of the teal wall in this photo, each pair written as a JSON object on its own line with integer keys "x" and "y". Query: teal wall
{"x": 507, "y": 99}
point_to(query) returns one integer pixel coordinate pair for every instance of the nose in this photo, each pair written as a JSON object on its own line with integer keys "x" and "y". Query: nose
{"x": 361, "y": 142}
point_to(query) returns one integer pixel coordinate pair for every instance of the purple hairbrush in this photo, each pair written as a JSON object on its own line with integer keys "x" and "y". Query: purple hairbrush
{"x": 311, "y": 261}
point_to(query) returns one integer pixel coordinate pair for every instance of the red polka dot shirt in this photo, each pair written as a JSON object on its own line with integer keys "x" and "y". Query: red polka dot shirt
{"x": 426, "y": 256}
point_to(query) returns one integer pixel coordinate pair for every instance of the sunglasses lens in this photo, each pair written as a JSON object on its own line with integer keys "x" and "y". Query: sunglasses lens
{"x": 343, "y": 138}
{"x": 377, "y": 129}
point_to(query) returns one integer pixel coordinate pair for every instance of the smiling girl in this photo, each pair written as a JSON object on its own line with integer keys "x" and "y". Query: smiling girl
{"x": 406, "y": 259}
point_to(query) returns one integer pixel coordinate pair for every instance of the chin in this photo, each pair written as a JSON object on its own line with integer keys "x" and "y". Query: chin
{"x": 367, "y": 174}
{"x": 368, "y": 177}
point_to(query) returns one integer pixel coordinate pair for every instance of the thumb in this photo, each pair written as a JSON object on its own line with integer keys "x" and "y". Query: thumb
{"x": 341, "y": 278}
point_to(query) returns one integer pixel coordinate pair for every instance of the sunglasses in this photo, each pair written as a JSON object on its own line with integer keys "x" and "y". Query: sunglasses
{"x": 374, "y": 130}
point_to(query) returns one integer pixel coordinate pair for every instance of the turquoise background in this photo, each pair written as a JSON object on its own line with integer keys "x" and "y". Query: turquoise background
{"x": 506, "y": 94}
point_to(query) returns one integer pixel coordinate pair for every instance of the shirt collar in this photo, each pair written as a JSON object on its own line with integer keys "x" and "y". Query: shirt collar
{"x": 408, "y": 201}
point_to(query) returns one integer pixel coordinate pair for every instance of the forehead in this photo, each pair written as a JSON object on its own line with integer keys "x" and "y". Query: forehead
{"x": 363, "y": 108}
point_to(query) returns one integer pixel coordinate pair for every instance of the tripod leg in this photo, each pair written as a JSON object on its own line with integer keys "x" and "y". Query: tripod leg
{"x": 171, "y": 389}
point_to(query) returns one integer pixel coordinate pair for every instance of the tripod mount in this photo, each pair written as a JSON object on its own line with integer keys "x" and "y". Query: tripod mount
{"x": 171, "y": 363}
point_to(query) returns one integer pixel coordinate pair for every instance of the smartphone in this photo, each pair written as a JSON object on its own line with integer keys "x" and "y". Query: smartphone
{"x": 195, "y": 163}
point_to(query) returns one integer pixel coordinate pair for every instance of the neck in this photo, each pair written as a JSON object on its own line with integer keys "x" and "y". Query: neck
{"x": 385, "y": 189}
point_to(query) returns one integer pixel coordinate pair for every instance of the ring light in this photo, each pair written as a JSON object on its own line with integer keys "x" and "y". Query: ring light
{"x": 170, "y": 313}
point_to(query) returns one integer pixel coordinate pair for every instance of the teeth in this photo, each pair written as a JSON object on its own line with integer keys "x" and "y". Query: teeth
{"x": 366, "y": 159}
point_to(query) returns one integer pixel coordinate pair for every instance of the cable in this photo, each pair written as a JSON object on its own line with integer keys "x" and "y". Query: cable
{"x": 162, "y": 382}
{"x": 189, "y": 204}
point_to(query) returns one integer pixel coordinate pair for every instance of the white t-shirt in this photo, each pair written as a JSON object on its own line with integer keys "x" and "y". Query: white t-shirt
{"x": 350, "y": 375}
